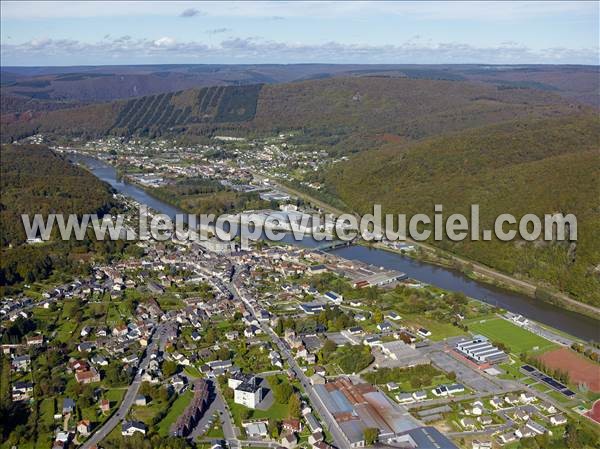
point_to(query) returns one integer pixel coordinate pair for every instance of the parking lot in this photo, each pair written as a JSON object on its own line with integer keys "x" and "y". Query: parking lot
{"x": 464, "y": 374}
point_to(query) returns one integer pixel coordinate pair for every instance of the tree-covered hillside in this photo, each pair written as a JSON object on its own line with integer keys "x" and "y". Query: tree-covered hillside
{"x": 36, "y": 180}
{"x": 540, "y": 167}
{"x": 349, "y": 112}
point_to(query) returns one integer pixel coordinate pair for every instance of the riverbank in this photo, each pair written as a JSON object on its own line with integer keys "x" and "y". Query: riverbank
{"x": 581, "y": 326}
{"x": 469, "y": 268}
{"x": 480, "y": 273}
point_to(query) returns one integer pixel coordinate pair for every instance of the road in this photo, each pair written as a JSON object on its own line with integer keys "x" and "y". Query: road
{"x": 218, "y": 407}
{"x": 129, "y": 398}
{"x": 339, "y": 439}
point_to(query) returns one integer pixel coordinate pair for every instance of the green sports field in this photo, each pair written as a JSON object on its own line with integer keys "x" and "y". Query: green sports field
{"x": 517, "y": 339}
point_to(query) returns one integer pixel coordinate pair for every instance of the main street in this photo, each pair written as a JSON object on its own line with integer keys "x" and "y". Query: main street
{"x": 339, "y": 439}
{"x": 130, "y": 395}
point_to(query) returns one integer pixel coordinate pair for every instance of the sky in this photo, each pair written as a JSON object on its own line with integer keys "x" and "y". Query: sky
{"x": 151, "y": 32}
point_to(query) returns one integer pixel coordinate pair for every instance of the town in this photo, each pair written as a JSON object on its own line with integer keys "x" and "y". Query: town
{"x": 275, "y": 345}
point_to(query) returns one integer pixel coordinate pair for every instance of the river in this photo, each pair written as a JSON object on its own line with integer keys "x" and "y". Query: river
{"x": 573, "y": 323}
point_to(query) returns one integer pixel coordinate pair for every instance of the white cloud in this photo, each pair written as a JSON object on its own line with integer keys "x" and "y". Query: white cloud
{"x": 255, "y": 50}
{"x": 165, "y": 42}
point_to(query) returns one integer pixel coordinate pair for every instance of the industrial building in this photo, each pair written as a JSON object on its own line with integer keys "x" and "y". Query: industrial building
{"x": 403, "y": 354}
{"x": 356, "y": 407}
{"x": 480, "y": 350}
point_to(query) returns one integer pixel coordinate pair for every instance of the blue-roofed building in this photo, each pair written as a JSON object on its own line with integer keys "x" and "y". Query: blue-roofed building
{"x": 312, "y": 308}
{"x": 422, "y": 438}
{"x": 68, "y": 406}
{"x": 333, "y": 297}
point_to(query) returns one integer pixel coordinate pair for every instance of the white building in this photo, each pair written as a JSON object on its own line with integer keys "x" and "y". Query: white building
{"x": 481, "y": 350}
{"x": 246, "y": 390}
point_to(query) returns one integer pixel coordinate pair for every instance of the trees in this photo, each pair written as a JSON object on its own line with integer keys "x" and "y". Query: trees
{"x": 294, "y": 406}
{"x": 328, "y": 348}
{"x": 352, "y": 359}
{"x": 377, "y": 315}
{"x": 223, "y": 353}
{"x": 493, "y": 156}
{"x": 115, "y": 375}
{"x": 418, "y": 376}
{"x": 169, "y": 368}
{"x": 370, "y": 435}
{"x": 273, "y": 428}
{"x": 282, "y": 390}
{"x": 245, "y": 413}
{"x": 279, "y": 327}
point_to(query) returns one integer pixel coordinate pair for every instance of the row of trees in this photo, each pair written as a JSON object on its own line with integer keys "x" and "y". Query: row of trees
{"x": 589, "y": 352}
{"x": 558, "y": 374}
{"x": 332, "y": 319}
{"x": 418, "y": 376}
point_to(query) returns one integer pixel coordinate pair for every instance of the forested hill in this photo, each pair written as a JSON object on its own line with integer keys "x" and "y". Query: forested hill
{"x": 30, "y": 89}
{"x": 344, "y": 110}
{"x": 541, "y": 166}
{"x": 36, "y": 180}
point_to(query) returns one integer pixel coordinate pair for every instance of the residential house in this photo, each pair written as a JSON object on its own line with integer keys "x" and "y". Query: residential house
{"x": 384, "y": 326}
{"x": 496, "y": 402}
{"x": 129, "y": 428}
{"x": 547, "y": 407}
{"x": 22, "y": 391}
{"x": 423, "y": 332}
{"x": 21, "y": 363}
{"x": 248, "y": 394}
{"x": 405, "y": 398}
{"x": 84, "y": 427}
{"x": 289, "y": 440}
{"x": 507, "y": 437}
{"x": 558, "y": 420}
{"x": 477, "y": 408}
{"x": 485, "y": 420}
{"x": 87, "y": 376}
{"x": 104, "y": 405}
{"x": 521, "y": 414}
{"x": 538, "y": 429}
{"x": 527, "y": 397}
{"x": 468, "y": 423}
{"x": 291, "y": 425}
{"x": 477, "y": 444}
{"x": 419, "y": 395}
{"x": 68, "y": 406}
{"x": 232, "y": 335}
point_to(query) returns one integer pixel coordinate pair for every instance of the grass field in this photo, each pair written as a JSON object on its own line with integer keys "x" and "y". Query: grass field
{"x": 47, "y": 421}
{"x": 174, "y": 412}
{"x": 517, "y": 339}
{"x": 192, "y": 371}
{"x": 439, "y": 330}
{"x": 114, "y": 395}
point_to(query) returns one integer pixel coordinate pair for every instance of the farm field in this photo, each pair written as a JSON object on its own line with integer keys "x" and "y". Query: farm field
{"x": 517, "y": 339}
